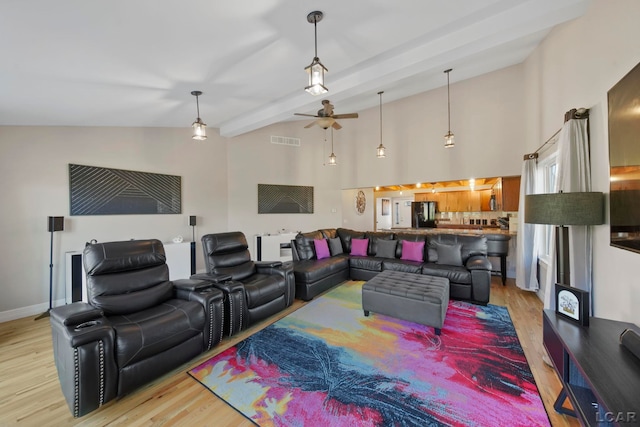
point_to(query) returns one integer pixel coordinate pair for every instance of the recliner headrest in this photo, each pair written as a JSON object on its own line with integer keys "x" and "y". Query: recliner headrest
{"x": 112, "y": 257}
{"x": 220, "y": 243}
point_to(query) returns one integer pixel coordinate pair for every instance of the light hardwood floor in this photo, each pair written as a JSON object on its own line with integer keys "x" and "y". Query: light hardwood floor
{"x": 30, "y": 394}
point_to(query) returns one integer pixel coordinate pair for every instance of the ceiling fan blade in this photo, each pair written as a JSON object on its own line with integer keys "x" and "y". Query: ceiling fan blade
{"x": 336, "y": 125}
{"x": 309, "y": 125}
{"x": 306, "y": 115}
{"x": 345, "y": 116}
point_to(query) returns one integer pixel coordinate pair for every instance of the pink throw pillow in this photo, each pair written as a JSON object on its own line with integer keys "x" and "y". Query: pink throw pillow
{"x": 359, "y": 247}
{"x": 322, "y": 248}
{"x": 412, "y": 251}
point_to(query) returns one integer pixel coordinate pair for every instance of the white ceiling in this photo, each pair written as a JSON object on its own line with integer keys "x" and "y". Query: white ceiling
{"x": 135, "y": 62}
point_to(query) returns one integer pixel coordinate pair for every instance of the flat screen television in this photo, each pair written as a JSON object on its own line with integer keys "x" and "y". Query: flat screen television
{"x": 624, "y": 161}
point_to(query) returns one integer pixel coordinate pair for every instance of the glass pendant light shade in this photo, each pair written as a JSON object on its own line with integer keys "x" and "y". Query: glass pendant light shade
{"x": 380, "y": 151}
{"x": 316, "y": 70}
{"x": 199, "y": 127}
{"x": 449, "y": 140}
{"x": 332, "y": 157}
{"x": 199, "y": 130}
{"x": 316, "y": 78}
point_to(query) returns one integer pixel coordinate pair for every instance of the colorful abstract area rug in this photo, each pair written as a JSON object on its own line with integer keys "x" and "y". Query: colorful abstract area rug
{"x": 326, "y": 364}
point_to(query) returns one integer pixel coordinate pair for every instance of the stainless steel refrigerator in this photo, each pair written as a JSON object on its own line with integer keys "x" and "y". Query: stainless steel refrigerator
{"x": 423, "y": 214}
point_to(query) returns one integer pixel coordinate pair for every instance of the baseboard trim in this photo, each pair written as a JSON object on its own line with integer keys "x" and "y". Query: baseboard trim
{"x": 32, "y": 310}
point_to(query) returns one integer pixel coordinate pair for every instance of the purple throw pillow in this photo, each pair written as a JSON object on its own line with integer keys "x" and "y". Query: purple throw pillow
{"x": 359, "y": 247}
{"x": 322, "y": 248}
{"x": 412, "y": 251}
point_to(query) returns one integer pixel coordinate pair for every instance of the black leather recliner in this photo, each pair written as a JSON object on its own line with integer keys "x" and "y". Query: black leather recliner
{"x": 253, "y": 290}
{"x": 136, "y": 326}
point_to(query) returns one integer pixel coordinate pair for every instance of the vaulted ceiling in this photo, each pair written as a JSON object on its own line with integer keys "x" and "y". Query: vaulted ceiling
{"x": 134, "y": 63}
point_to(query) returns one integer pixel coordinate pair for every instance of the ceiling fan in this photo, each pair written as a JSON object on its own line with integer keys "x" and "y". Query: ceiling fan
{"x": 326, "y": 118}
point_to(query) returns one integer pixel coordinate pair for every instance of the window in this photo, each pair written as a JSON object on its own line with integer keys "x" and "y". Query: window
{"x": 547, "y": 173}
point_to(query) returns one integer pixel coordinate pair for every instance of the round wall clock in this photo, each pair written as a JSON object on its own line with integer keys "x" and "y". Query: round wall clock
{"x": 361, "y": 202}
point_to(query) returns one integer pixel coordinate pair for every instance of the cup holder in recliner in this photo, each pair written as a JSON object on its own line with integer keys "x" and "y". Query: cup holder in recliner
{"x": 88, "y": 324}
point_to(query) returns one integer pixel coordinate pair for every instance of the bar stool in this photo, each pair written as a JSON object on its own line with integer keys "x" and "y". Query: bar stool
{"x": 498, "y": 246}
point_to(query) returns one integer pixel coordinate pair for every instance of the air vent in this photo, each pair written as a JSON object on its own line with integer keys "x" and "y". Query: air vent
{"x": 285, "y": 140}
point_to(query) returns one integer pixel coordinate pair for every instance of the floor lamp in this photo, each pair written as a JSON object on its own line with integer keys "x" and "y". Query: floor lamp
{"x": 54, "y": 223}
{"x": 562, "y": 209}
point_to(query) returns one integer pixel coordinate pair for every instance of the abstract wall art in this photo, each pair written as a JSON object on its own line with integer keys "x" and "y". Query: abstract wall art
{"x": 103, "y": 191}
{"x": 284, "y": 199}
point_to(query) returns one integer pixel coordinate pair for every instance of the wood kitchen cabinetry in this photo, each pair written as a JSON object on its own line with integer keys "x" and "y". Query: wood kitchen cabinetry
{"x": 506, "y": 191}
{"x": 510, "y": 193}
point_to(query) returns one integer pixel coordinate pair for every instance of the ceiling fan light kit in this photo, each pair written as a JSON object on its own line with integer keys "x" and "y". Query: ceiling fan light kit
{"x": 199, "y": 127}
{"x": 380, "y": 151}
{"x": 316, "y": 70}
{"x": 449, "y": 140}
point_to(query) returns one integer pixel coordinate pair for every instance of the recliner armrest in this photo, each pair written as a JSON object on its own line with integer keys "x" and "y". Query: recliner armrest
{"x": 268, "y": 263}
{"x": 211, "y": 299}
{"x": 192, "y": 284}
{"x": 211, "y": 277}
{"x": 75, "y": 314}
{"x": 478, "y": 262}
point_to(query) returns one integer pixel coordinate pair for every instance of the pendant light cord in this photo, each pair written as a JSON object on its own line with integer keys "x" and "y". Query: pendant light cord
{"x": 198, "y": 106}
{"x": 380, "y": 93}
{"x": 315, "y": 32}
{"x": 448, "y": 100}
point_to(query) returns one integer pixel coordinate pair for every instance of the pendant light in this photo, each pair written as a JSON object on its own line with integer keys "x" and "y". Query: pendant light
{"x": 316, "y": 70}
{"x": 381, "y": 149}
{"x": 199, "y": 127}
{"x": 332, "y": 157}
{"x": 448, "y": 138}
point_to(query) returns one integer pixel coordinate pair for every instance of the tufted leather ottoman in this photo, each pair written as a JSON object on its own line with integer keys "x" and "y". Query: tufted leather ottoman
{"x": 408, "y": 296}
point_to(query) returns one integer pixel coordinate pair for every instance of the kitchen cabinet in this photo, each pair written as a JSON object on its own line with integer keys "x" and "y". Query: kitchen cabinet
{"x": 485, "y": 200}
{"x": 510, "y": 193}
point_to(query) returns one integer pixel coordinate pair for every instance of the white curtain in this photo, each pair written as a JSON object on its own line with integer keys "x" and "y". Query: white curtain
{"x": 573, "y": 174}
{"x": 527, "y": 240}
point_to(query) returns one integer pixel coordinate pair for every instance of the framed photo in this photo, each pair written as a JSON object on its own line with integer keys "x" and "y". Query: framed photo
{"x": 573, "y": 304}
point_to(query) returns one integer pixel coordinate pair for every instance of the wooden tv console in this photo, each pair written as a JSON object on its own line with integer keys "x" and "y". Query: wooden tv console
{"x": 600, "y": 377}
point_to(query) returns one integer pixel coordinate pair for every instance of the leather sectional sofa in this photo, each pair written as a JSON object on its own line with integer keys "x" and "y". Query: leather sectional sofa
{"x": 461, "y": 258}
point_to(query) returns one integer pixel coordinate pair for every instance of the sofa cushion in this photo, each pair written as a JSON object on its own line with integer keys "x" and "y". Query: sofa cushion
{"x": 261, "y": 289}
{"x": 149, "y": 332}
{"x": 346, "y": 235}
{"x": 453, "y": 273}
{"x": 401, "y": 265}
{"x": 322, "y": 248}
{"x": 386, "y": 248}
{"x": 359, "y": 247}
{"x": 449, "y": 254}
{"x": 335, "y": 246}
{"x": 471, "y": 245}
{"x": 412, "y": 251}
{"x": 305, "y": 246}
{"x": 310, "y": 271}
{"x": 366, "y": 263}
{"x": 409, "y": 237}
{"x": 374, "y": 237}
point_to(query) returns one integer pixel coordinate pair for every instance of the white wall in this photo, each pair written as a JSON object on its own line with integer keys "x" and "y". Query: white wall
{"x": 34, "y": 173}
{"x": 254, "y": 160}
{"x": 574, "y": 67}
